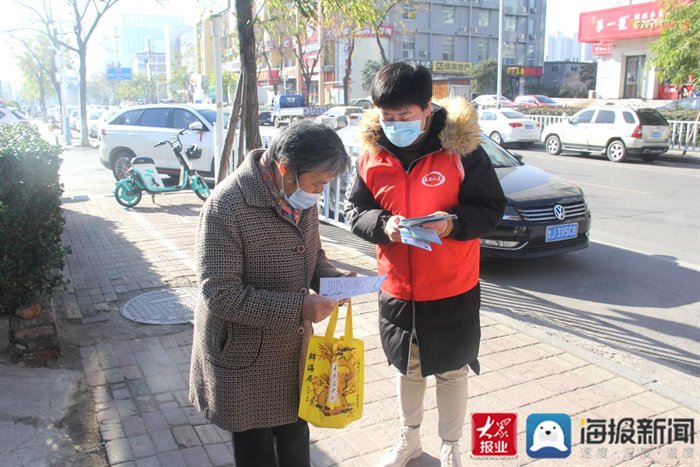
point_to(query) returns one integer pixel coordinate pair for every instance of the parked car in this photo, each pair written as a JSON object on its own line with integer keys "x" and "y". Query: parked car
{"x": 508, "y": 126}
{"x": 616, "y": 132}
{"x": 265, "y": 117}
{"x": 95, "y": 118}
{"x": 545, "y": 215}
{"x": 364, "y": 102}
{"x": 536, "y": 100}
{"x": 341, "y": 116}
{"x": 133, "y": 131}
{"x": 687, "y": 103}
{"x": 8, "y": 115}
{"x": 489, "y": 100}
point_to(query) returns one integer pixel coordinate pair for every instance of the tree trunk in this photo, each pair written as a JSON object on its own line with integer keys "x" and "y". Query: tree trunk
{"x": 42, "y": 97}
{"x": 84, "y": 141}
{"x": 246, "y": 34}
{"x": 348, "y": 71}
{"x": 231, "y": 134}
{"x": 381, "y": 47}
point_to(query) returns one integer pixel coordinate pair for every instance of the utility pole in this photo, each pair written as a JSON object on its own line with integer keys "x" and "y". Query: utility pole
{"x": 499, "y": 78}
{"x": 216, "y": 22}
{"x": 321, "y": 58}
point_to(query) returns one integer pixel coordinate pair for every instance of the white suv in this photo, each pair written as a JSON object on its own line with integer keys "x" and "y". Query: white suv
{"x": 614, "y": 131}
{"x": 134, "y": 131}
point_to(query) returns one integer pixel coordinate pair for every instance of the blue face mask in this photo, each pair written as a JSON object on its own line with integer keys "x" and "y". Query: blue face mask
{"x": 402, "y": 134}
{"x": 301, "y": 199}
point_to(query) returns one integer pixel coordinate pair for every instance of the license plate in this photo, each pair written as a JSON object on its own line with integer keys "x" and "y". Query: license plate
{"x": 656, "y": 134}
{"x": 557, "y": 233}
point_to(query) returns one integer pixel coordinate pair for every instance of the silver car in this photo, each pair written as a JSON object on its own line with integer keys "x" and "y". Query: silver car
{"x": 616, "y": 132}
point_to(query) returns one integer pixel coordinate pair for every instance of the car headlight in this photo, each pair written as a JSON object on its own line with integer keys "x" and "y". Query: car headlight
{"x": 510, "y": 214}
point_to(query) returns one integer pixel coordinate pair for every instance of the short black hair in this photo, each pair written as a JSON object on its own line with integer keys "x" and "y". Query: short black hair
{"x": 306, "y": 146}
{"x": 399, "y": 84}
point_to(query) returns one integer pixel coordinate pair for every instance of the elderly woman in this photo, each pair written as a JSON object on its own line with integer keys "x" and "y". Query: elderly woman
{"x": 258, "y": 252}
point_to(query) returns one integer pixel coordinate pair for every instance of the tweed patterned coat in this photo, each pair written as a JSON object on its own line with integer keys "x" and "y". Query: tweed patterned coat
{"x": 254, "y": 267}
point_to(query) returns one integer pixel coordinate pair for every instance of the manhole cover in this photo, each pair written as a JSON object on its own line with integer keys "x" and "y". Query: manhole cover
{"x": 167, "y": 306}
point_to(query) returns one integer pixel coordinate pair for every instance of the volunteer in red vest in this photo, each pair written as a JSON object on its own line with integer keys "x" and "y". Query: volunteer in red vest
{"x": 420, "y": 158}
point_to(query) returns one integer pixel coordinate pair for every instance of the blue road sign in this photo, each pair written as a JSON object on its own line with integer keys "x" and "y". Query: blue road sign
{"x": 118, "y": 74}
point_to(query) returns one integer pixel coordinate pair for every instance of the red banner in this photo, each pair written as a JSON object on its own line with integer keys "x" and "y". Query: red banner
{"x": 602, "y": 48}
{"x": 627, "y": 22}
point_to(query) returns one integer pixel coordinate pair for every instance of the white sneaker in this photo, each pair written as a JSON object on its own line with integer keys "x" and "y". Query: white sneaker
{"x": 449, "y": 454}
{"x": 407, "y": 447}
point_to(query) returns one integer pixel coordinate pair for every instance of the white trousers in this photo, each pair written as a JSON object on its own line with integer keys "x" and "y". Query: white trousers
{"x": 451, "y": 396}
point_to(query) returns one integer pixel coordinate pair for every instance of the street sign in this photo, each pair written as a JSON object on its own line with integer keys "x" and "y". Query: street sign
{"x": 118, "y": 74}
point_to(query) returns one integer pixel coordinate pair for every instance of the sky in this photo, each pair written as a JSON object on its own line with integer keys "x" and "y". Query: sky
{"x": 562, "y": 15}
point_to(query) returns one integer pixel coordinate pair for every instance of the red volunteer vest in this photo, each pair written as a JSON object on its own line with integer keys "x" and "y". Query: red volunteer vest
{"x": 432, "y": 185}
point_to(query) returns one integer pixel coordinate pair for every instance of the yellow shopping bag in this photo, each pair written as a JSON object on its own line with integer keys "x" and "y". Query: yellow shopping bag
{"x": 333, "y": 386}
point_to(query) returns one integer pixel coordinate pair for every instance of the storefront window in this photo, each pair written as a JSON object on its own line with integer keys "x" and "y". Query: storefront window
{"x": 634, "y": 74}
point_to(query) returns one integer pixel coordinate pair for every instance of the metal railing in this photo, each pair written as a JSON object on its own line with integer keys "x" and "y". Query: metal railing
{"x": 684, "y": 134}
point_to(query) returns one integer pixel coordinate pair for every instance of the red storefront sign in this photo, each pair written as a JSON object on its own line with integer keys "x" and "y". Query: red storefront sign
{"x": 602, "y": 48}
{"x": 627, "y": 22}
{"x": 524, "y": 71}
{"x": 272, "y": 79}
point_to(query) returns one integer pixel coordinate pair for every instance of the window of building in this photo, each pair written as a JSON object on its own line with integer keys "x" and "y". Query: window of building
{"x": 448, "y": 15}
{"x": 409, "y": 12}
{"x": 482, "y": 47}
{"x": 509, "y": 49}
{"x": 574, "y": 68}
{"x": 531, "y": 26}
{"x": 409, "y": 47}
{"x": 555, "y": 67}
{"x": 510, "y": 24}
{"x": 448, "y": 47}
{"x": 484, "y": 18}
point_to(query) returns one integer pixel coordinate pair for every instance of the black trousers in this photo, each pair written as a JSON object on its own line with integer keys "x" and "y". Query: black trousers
{"x": 280, "y": 446}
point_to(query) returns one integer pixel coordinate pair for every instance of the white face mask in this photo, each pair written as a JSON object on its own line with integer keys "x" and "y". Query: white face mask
{"x": 301, "y": 199}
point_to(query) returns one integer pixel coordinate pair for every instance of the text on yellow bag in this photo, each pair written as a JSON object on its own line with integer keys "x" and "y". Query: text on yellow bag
{"x": 333, "y": 387}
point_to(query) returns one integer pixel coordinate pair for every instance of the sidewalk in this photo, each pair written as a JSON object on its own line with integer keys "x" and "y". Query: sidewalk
{"x": 137, "y": 374}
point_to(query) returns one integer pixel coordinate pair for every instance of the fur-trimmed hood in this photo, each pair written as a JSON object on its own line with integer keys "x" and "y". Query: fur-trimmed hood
{"x": 454, "y": 120}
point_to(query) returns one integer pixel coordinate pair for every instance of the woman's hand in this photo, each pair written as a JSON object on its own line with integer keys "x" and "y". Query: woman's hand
{"x": 317, "y": 308}
{"x": 442, "y": 228}
{"x": 392, "y": 228}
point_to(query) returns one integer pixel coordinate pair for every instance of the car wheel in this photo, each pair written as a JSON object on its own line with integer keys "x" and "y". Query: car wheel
{"x": 121, "y": 162}
{"x": 553, "y": 145}
{"x": 616, "y": 151}
{"x": 649, "y": 157}
{"x": 496, "y": 136}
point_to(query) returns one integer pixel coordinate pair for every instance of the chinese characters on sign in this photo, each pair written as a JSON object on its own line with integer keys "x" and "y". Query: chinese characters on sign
{"x": 602, "y": 48}
{"x": 639, "y": 20}
{"x": 637, "y": 431}
{"x": 451, "y": 68}
{"x": 524, "y": 71}
{"x": 494, "y": 434}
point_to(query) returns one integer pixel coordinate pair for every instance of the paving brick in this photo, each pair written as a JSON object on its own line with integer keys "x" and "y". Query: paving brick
{"x": 141, "y": 446}
{"x": 118, "y": 451}
{"x": 133, "y": 426}
{"x": 193, "y": 416}
{"x": 172, "y": 459}
{"x": 219, "y": 454}
{"x": 157, "y": 384}
{"x": 207, "y": 434}
{"x": 152, "y": 461}
{"x": 95, "y": 378}
{"x": 174, "y": 416}
{"x": 163, "y": 440}
{"x": 154, "y": 421}
{"x": 185, "y": 436}
{"x": 132, "y": 372}
{"x": 196, "y": 456}
{"x": 125, "y": 408}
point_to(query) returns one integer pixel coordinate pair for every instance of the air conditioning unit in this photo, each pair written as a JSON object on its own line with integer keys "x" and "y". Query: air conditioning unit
{"x": 531, "y": 37}
{"x": 525, "y": 9}
{"x": 533, "y": 10}
{"x": 521, "y": 37}
{"x": 463, "y": 29}
{"x": 423, "y": 53}
{"x": 475, "y": 29}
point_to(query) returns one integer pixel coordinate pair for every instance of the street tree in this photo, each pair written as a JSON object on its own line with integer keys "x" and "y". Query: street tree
{"x": 676, "y": 54}
{"x": 85, "y": 16}
{"x": 485, "y": 77}
{"x": 368, "y": 72}
{"x": 37, "y": 62}
{"x": 249, "y": 74}
{"x": 136, "y": 88}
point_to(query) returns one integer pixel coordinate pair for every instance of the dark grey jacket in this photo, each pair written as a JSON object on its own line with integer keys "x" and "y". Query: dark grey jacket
{"x": 254, "y": 268}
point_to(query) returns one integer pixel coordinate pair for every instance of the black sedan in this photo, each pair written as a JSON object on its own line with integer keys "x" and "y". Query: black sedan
{"x": 264, "y": 117}
{"x": 545, "y": 214}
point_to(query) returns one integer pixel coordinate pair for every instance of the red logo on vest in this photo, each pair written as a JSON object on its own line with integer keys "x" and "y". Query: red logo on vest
{"x": 433, "y": 179}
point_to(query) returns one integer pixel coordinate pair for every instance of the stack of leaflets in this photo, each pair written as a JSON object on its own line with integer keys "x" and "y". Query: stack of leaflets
{"x": 413, "y": 234}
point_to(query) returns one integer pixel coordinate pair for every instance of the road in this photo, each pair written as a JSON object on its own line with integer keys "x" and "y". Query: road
{"x": 632, "y": 298}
